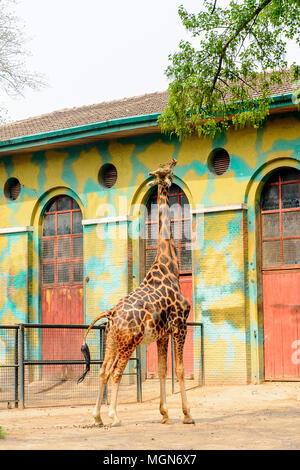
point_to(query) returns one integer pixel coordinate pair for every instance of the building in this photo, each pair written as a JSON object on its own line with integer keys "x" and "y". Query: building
{"x": 76, "y": 214}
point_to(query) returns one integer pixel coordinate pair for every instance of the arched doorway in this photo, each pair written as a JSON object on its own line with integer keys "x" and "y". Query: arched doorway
{"x": 181, "y": 230}
{"x": 280, "y": 237}
{"x": 61, "y": 279}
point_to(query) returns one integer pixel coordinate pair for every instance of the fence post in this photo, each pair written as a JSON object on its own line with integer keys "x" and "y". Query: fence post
{"x": 139, "y": 375}
{"x": 202, "y": 355}
{"x": 172, "y": 365}
{"x": 21, "y": 366}
{"x": 16, "y": 368}
{"x": 102, "y": 357}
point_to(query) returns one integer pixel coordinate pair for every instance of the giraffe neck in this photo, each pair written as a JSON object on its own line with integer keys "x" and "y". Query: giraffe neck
{"x": 166, "y": 246}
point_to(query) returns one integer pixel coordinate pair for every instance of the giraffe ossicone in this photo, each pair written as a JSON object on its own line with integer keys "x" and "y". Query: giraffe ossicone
{"x": 153, "y": 311}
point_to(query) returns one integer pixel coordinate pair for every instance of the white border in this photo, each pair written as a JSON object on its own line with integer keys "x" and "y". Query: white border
{"x": 232, "y": 207}
{"x": 106, "y": 220}
{"x": 28, "y": 228}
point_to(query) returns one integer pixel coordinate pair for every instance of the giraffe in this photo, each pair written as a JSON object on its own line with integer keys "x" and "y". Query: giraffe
{"x": 153, "y": 311}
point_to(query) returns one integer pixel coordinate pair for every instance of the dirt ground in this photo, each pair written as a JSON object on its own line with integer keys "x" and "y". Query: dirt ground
{"x": 265, "y": 416}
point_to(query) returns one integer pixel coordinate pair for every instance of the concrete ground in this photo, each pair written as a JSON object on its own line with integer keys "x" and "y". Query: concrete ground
{"x": 265, "y": 416}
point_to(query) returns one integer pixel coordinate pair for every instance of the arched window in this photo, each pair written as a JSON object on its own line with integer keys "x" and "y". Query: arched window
{"x": 180, "y": 226}
{"x": 280, "y": 219}
{"x": 62, "y": 258}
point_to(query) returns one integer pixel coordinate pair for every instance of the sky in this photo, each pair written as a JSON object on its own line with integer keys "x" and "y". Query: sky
{"x": 97, "y": 50}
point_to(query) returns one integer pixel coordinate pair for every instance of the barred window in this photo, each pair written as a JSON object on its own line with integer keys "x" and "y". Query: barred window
{"x": 62, "y": 243}
{"x": 180, "y": 227}
{"x": 280, "y": 219}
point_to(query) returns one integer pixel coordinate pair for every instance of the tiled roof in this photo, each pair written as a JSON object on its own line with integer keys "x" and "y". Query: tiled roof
{"x": 80, "y": 116}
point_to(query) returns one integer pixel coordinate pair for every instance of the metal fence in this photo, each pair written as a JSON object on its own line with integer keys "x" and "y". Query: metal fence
{"x": 40, "y": 365}
{"x": 9, "y": 366}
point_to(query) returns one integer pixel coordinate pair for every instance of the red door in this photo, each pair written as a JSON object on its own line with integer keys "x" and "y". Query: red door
{"x": 62, "y": 282}
{"x": 280, "y": 221}
{"x": 181, "y": 230}
{"x": 282, "y": 324}
{"x": 186, "y": 286}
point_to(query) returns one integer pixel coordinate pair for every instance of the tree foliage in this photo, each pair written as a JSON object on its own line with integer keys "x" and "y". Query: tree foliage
{"x": 228, "y": 77}
{"x": 2, "y": 433}
{"x": 14, "y": 76}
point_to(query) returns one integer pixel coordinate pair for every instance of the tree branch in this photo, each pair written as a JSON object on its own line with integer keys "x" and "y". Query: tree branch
{"x": 256, "y": 12}
{"x": 214, "y": 7}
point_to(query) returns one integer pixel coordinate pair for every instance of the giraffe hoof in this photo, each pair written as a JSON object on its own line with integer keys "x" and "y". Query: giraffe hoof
{"x": 188, "y": 420}
{"x": 98, "y": 423}
{"x": 97, "y": 420}
{"x": 166, "y": 421}
{"x": 115, "y": 424}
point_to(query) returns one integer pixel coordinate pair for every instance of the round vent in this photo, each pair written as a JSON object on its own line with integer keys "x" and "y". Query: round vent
{"x": 107, "y": 176}
{"x": 219, "y": 161}
{"x": 12, "y": 189}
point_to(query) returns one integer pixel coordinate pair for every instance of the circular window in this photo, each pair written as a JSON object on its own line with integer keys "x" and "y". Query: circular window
{"x": 219, "y": 161}
{"x": 12, "y": 189}
{"x": 108, "y": 175}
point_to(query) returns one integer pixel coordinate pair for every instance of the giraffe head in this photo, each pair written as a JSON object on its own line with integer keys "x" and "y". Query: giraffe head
{"x": 164, "y": 173}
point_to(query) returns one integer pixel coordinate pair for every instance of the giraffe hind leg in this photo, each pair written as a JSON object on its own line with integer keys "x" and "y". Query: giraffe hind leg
{"x": 104, "y": 376}
{"x": 118, "y": 367}
{"x": 110, "y": 356}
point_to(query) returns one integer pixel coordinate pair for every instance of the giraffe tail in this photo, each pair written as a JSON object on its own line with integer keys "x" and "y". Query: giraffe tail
{"x": 85, "y": 349}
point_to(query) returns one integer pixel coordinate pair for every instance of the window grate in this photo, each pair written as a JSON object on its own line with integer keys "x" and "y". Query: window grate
{"x": 180, "y": 227}
{"x": 280, "y": 220}
{"x": 62, "y": 243}
{"x": 12, "y": 189}
{"x": 107, "y": 176}
{"x": 220, "y": 161}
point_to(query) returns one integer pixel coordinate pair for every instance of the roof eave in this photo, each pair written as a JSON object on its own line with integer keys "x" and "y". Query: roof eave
{"x": 79, "y": 132}
{"x": 105, "y": 128}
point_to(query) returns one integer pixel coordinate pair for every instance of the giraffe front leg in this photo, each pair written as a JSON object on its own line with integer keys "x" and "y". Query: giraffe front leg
{"x": 162, "y": 351}
{"x": 178, "y": 348}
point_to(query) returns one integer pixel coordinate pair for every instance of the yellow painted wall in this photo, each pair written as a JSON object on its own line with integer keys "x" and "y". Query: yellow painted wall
{"x": 224, "y": 267}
